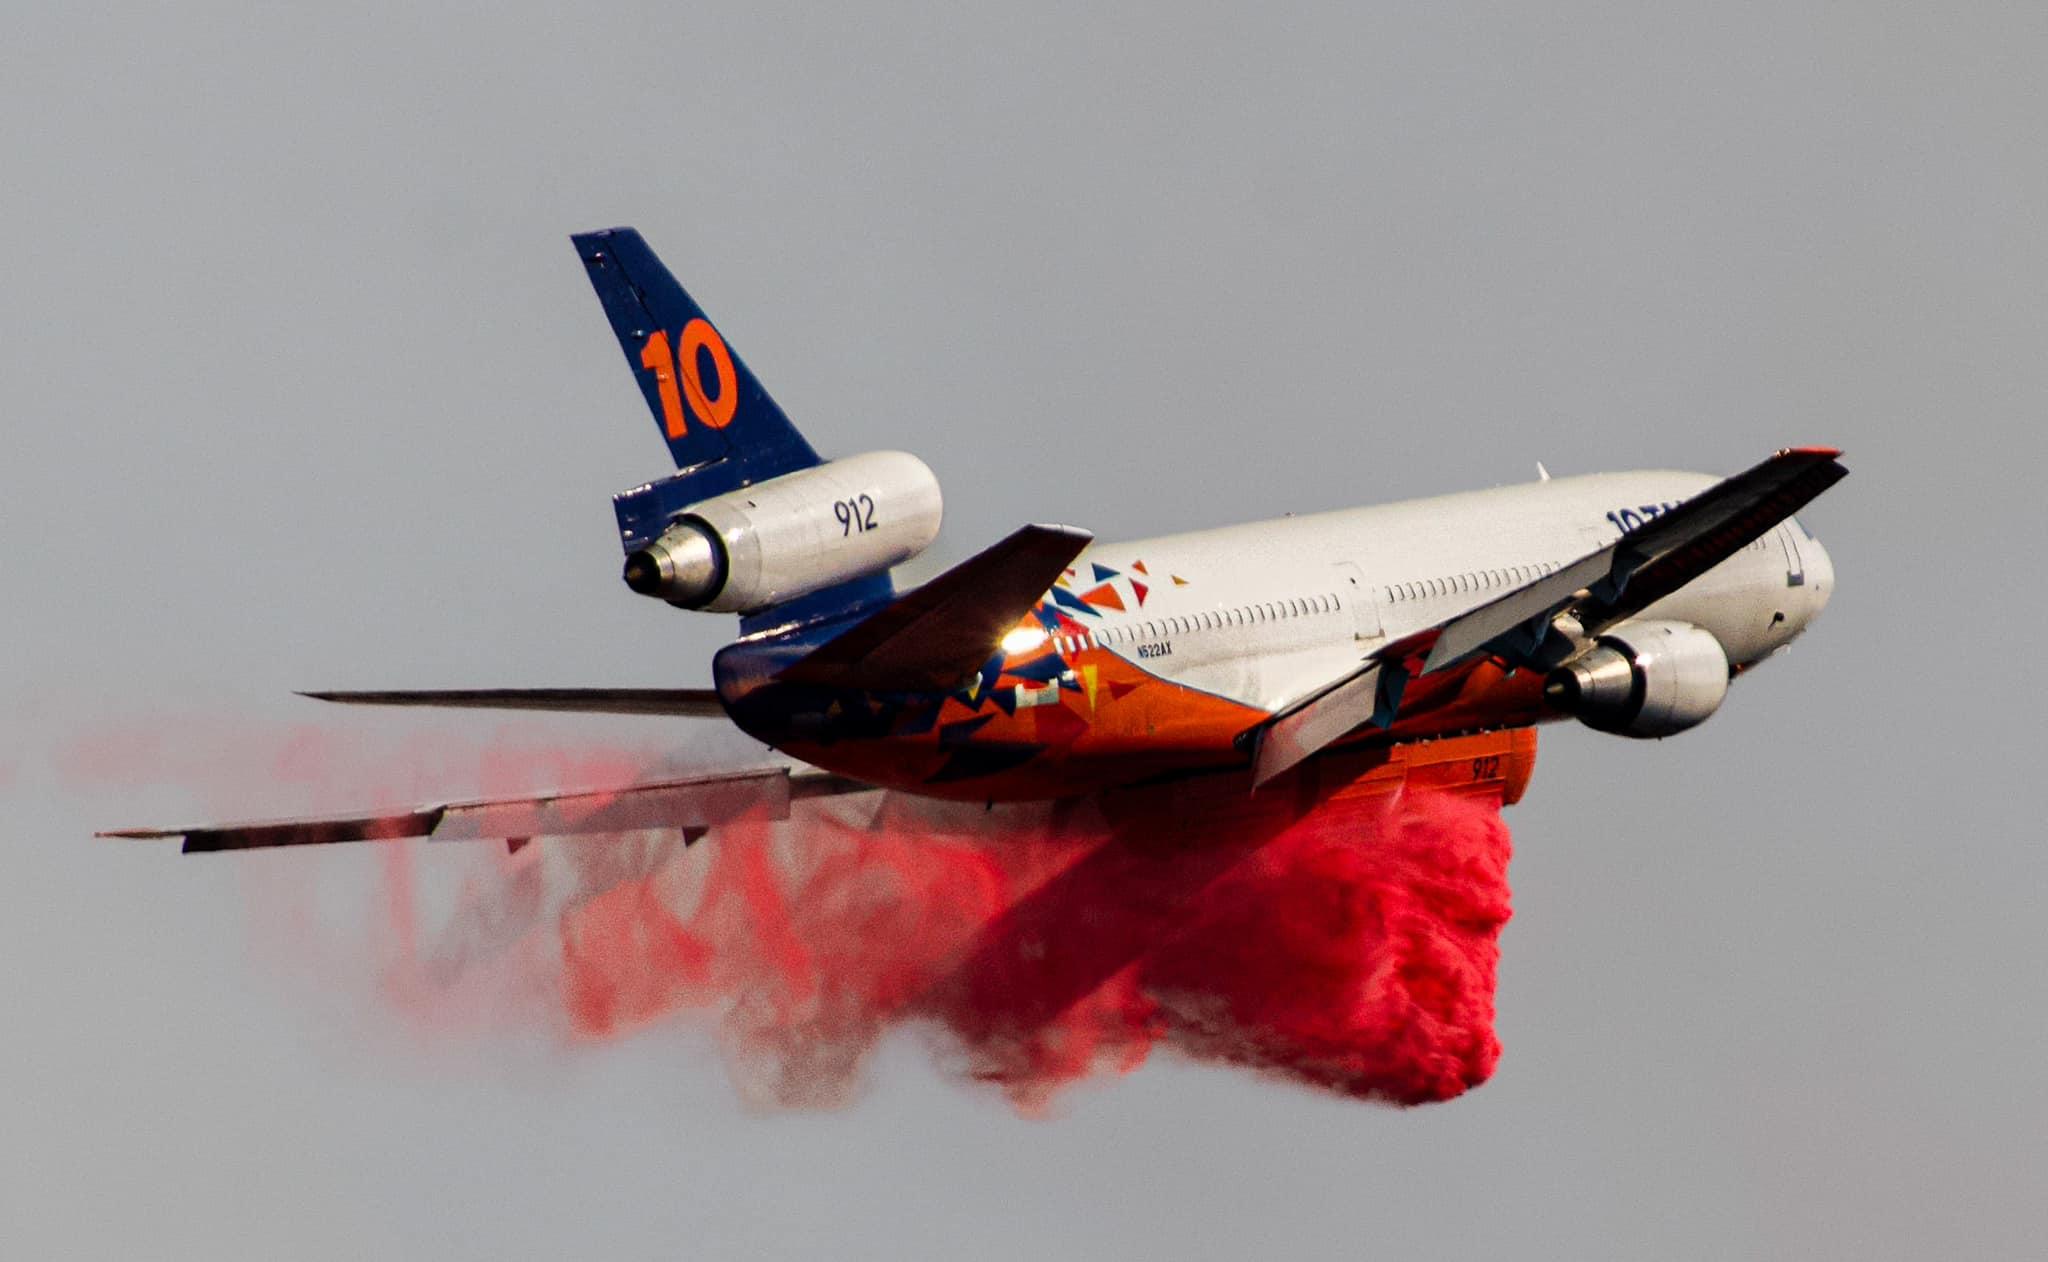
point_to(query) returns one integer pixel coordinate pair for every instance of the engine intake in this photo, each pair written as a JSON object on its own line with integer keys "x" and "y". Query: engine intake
{"x": 1644, "y": 679}
{"x": 789, "y": 536}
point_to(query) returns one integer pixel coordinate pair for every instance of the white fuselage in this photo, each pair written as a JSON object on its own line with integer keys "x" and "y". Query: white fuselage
{"x": 1264, "y": 612}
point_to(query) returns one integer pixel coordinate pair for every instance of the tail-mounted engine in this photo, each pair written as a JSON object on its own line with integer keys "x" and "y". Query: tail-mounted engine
{"x": 1644, "y": 679}
{"x": 792, "y": 535}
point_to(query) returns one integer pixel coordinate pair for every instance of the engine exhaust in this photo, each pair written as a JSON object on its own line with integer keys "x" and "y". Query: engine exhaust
{"x": 684, "y": 566}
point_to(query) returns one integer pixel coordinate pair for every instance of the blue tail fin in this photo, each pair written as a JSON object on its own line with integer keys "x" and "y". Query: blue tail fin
{"x": 721, "y": 426}
{"x": 708, "y": 406}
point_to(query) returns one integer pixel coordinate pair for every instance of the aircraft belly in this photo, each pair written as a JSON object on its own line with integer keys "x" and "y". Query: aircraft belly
{"x": 1236, "y": 678}
{"x": 1267, "y": 682}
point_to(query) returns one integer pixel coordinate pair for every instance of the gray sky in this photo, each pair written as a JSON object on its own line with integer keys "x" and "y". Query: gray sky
{"x": 303, "y": 386}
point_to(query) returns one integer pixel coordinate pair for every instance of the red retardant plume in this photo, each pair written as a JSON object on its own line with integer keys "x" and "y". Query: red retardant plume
{"x": 1352, "y": 949}
{"x": 1345, "y": 939}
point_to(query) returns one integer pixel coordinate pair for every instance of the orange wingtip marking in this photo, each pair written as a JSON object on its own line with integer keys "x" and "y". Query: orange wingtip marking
{"x": 1178, "y": 581}
{"x": 1827, "y": 452}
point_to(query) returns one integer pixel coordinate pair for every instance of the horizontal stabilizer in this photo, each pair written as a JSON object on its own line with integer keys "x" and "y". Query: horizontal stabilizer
{"x": 690, "y": 702}
{"x": 934, "y": 637}
{"x": 692, "y": 806}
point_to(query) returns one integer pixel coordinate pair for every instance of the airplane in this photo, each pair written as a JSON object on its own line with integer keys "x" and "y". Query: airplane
{"x": 1354, "y": 652}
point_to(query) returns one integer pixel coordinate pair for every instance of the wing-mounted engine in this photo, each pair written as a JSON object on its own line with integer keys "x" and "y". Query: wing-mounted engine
{"x": 1644, "y": 679}
{"x": 789, "y": 536}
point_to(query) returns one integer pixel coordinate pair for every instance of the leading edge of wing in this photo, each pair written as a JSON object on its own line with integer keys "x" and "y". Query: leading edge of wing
{"x": 690, "y": 804}
{"x": 1605, "y": 586}
{"x": 939, "y": 634}
{"x": 686, "y": 702}
{"x": 1644, "y": 565}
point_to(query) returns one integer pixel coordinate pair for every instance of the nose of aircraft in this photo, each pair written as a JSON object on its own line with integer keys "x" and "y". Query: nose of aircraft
{"x": 1820, "y": 576}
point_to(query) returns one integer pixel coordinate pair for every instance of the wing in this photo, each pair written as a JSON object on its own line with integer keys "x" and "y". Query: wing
{"x": 693, "y": 806}
{"x": 939, "y": 634}
{"x": 1644, "y": 566}
{"x": 1598, "y": 590}
{"x": 692, "y": 702}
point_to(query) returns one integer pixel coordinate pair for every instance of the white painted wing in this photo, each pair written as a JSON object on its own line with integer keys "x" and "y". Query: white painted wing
{"x": 1601, "y": 589}
{"x": 692, "y": 806}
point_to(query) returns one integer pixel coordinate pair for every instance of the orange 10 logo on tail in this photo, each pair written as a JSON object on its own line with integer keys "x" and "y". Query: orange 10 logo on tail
{"x": 659, "y": 358}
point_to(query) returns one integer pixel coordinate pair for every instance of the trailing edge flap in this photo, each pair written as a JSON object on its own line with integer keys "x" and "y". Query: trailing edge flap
{"x": 932, "y": 638}
{"x": 693, "y": 806}
{"x": 1314, "y": 722}
{"x": 691, "y": 702}
{"x": 1599, "y": 590}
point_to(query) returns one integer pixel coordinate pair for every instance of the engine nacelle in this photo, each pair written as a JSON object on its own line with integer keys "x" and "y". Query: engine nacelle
{"x": 1644, "y": 679}
{"x": 786, "y": 537}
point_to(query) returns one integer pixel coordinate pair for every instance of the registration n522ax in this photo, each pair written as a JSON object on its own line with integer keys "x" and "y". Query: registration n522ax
{"x": 1371, "y": 647}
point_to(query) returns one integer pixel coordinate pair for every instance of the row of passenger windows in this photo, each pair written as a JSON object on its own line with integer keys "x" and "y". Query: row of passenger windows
{"x": 1276, "y": 610}
{"x": 1207, "y": 620}
{"x": 1474, "y": 581}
